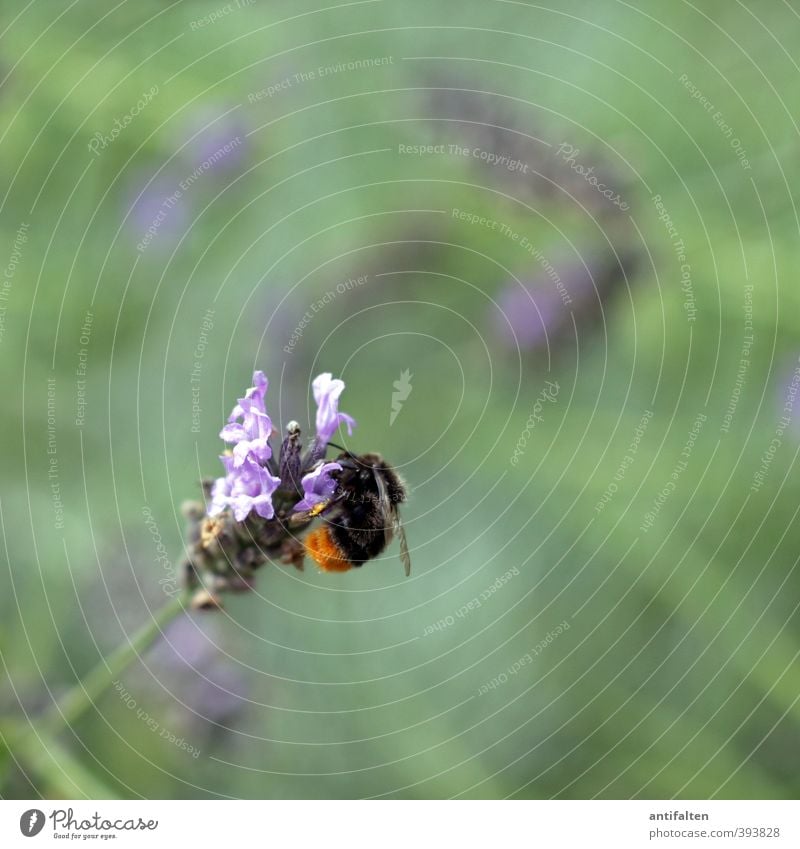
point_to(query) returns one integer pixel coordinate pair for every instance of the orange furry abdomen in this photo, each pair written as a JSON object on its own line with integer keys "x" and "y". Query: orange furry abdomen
{"x": 320, "y": 546}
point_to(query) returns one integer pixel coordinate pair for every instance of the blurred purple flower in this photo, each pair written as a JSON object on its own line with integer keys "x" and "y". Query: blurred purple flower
{"x": 215, "y": 141}
{"x": 200, "y": 676}
{"x": 156, "y": 211}
{"x": 318, "y": 485}
{"x": 539, "y": 311}
{"x": 326, "y": 393}
{"x": 528, "y": 314}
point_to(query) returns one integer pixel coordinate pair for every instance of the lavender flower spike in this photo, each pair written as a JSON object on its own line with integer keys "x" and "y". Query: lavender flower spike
{"x": 326, "y": 393}
{"x": 251, "y": 436}
{"x": 247, "y": 485}
{"x": 318, "y": 485}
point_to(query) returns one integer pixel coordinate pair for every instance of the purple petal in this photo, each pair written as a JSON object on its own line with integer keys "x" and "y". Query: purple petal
{"x": 257, "y": 449}
{"x": 254, "y": 439}
{"x": 240, "y": 453}
{"x": 232, "y": 432}
{"x": 220, "y": 494}
{"x": 262, "y": 504}
{"x": 318, "y": 485}
{"x": 326, "y": 393}
{"x": 254, "y": 395}
{"x": 241, "y": 505}
{"x": 251, "y": 489}
{"x": 349, "y": 421}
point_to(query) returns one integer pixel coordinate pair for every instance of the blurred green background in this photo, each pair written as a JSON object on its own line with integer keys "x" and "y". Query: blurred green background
{"x": 268, "y": 146}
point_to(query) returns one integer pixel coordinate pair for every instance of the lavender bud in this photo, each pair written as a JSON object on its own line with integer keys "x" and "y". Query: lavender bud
{"x": 289, "y": 466}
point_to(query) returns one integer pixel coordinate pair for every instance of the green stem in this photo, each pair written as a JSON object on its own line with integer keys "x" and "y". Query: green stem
{"x": 58, "y": 773}
{"x": 85, "y": 693}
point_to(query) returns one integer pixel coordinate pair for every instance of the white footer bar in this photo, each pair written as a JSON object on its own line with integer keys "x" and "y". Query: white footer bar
{"x": 402, "y": 824}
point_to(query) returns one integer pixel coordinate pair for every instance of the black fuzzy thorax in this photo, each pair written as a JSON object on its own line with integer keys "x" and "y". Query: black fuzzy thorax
{"x": 362, "y": 524}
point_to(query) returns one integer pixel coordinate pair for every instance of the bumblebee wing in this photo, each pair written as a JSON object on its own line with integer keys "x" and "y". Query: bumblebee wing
{"x": 386, "y": 506}
{"x": 405, "y": 557}
{"x": 392, "y": 524}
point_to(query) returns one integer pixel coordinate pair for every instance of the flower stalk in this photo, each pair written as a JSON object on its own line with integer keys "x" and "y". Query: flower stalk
{"x": 34, "y": 744}
{"x": 67, "y": 710}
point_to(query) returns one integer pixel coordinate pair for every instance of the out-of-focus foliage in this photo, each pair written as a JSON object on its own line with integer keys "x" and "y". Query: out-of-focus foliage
{"x": 271, "y": 171}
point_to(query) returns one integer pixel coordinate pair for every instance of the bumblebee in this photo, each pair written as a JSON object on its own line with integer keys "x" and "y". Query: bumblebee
{"x": 361, "y": 516}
